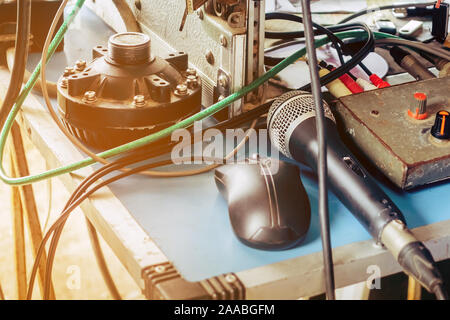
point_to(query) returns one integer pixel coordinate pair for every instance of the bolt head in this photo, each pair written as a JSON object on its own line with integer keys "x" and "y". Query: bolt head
{"x": 209, "y": 57}
{"x": 181, "y": 90}
{"x": 139, "y": 100}
{"x": 90, "y": 96}
{"x": 160, "y": 269}
{"x": 191, "y": 72}
{"x": 223, "y": 81}
{"x": 223, "y": 41}
{"x": 64, "y": 82}
{"x": 230, "y": 278}
{"x": 80, "y": 64}
{"x": 192, "y": 82}
{"x": 68, "y": 71}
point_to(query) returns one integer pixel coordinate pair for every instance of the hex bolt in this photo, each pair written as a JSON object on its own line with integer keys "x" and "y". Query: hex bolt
{"x": 223, "y": 81}
{"x": 181, "y": 90}
{"x": 80, "y": 65}
{"x": 192, "y": 82}
{"x": 68, "y": 71}
{"x": 90, "y": 96}
{"x": 139, "y": 100}
{"x": 223, "y": 41}
{"x": 230, "y": 278}
{"x": 191, "y": 72}
{"x": 209, "y": 57}
{"x": 160, "y": 269}
{"x": 64, "y": 82}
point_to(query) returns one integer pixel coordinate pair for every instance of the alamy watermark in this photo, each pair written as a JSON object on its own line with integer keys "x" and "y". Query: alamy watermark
{"x": 212, "y": 146}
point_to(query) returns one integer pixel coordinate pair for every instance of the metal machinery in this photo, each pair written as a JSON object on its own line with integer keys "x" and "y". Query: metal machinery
{"x": 224, "y": 39}
{"x": 126, "y": 92}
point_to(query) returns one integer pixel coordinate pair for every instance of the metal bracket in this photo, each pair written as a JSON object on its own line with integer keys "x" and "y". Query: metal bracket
{"x": 163, "y": 282}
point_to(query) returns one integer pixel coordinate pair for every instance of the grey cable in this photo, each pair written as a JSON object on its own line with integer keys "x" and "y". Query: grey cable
{"x": 316, "y": 89}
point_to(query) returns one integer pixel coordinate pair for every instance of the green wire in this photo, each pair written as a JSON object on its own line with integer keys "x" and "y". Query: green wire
{"x": 152, "y": 137}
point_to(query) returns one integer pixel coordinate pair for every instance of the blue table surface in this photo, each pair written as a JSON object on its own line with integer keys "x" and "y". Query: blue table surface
{"x": 188, "y": 218}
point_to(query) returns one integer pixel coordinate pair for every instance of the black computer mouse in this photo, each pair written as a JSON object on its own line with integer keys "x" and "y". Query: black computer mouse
{"x": 267, "y": 203}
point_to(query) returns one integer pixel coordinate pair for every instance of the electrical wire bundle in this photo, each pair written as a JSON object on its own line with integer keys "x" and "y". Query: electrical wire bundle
{"x": 146, "y": 148}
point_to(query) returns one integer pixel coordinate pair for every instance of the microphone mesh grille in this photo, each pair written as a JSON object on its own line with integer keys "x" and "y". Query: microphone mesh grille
{"x": 285, "y": 110}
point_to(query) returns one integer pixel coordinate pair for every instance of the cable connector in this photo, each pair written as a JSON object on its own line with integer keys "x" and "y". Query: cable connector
{"x": 366, "y": 85}
{"x": 351, "y": 84}
{"x": 345, "y": 78}
{"x": 336, "y": 87}
{"x": 378, "y": 82}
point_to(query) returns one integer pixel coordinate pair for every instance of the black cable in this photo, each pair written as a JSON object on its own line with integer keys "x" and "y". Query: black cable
{"x": 20, "y": 58}
{"x": 355, "y": 60}
{"x": 365, "y": 69}
{"x": 357, "y": 57}
{"x": 101, "y": 261}
{"x": 387, "y": 7}
{"x": 299, "y": 19}
{"x": 344, "y": 68}
{"x": 440, "y": 52}
{"x": 322, "y": 163}
{"x": 165, "y": 145}
{"x": 337, "y": 43}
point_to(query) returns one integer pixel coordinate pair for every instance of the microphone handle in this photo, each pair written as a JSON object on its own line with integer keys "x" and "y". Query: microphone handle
{"x": 349, "y": 181}
{"x": 358, "y": 191}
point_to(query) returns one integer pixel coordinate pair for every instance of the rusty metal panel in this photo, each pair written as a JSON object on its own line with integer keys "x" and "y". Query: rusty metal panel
{"x": 401, "y": 147}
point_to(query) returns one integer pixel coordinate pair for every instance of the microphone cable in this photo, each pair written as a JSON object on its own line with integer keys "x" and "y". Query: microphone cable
{"x": 134, "y": 157}
{"x": 322, "y": 161}
{"x": 20, "y": 58}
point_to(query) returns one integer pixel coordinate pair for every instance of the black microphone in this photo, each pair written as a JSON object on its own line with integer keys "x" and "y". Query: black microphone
{"x": 292, "y": 129}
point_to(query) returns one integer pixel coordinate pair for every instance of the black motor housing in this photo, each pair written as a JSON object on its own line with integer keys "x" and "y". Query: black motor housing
{"x": 126, "y": 93}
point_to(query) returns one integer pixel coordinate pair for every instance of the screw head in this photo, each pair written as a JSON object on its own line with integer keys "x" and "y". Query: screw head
{"x": 64, "y": 82}
{"x": 160, "y": 269}
{"x": 230, "y": 278}
{"x": 191, "y": 72}
{"x": 139, "y": 100}
{"x": 80, "y": 64}
{"x": 209, "y": 57}
{"x": 223, "y": 81}
{"x": 181, "y": 90}
{"x": 90, "y": 96}
{"x": 68, "y": 71}
{"x": 192, "y": 82}
{"x": 223, "y": 41}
